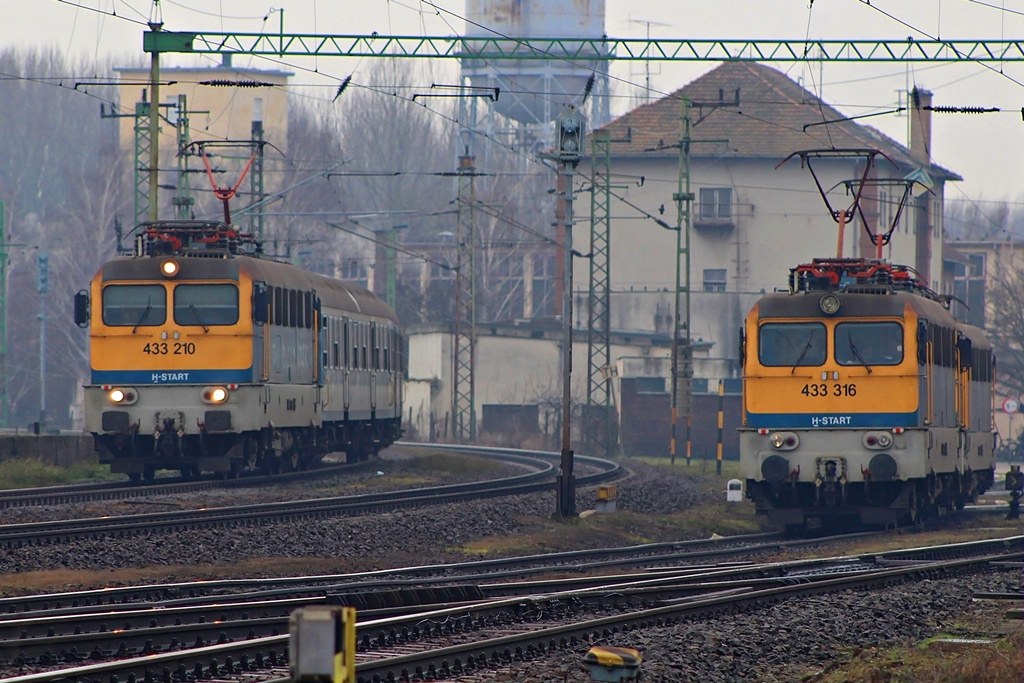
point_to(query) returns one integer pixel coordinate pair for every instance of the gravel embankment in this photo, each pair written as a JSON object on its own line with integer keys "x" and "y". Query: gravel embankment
{"x": 393, "y": 539}
{"x": 789, "y": 640}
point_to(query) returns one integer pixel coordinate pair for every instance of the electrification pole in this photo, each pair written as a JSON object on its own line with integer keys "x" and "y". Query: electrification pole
{"x": 682, "y": 341}
{"x": 569, "y": 140}
{"x": 598, "y": 422}
{"x": 256, "y": 178}
{"x": 183, "y": 200}
{"x": 464, "y": 341}
{"x": 3, "y": 319}
{"x": 682, "y": 349}
{"x": 44, "y": 286}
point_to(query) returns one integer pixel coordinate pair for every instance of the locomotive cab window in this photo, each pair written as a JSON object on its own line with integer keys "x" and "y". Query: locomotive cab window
{"x": 134, "y": 305}
{"x": 869, "y": 343}
{"x": 791, "y": 344}
{"x": 206, "y": 304}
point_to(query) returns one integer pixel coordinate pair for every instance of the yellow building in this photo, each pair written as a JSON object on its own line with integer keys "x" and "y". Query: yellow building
{"x": 223, "y": 101}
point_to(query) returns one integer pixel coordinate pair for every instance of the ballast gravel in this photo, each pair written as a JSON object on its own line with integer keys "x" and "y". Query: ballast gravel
{"x": 789, "y": 641}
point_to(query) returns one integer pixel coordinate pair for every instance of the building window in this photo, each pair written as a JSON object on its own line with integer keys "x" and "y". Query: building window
{"x": 353, "y": 271}
{"x": 969, "y": 289}
{"x": 716, "y": 204}
{"x": 543, "y": 285}
{"x": 714, "y": 279}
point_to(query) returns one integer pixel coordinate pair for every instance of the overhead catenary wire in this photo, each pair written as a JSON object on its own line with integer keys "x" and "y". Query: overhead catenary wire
{"x": 436, "y": 9}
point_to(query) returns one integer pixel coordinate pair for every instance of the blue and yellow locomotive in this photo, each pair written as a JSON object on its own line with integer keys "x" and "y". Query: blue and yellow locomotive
{"x": 864, "y": 400}
{"x": 206, "y": 357}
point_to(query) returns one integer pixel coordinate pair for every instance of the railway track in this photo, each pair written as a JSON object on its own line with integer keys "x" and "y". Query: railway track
{"x": 453, "y": 630}
{"x": 540, "y": 477}
{"x": 119, "y": 490}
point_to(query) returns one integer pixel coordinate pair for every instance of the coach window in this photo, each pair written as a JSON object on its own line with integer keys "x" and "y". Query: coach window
{"x": 293, "y": 309}
{"x": 791, "y": 344}
{"x": 206, "y": 305}
{"x": 344, "y": 341}
{"x": 134, "y": 305}
{"x": 865, "y": 343}
{"x": 366, "y": 343}
{"x": 374, "y": 348}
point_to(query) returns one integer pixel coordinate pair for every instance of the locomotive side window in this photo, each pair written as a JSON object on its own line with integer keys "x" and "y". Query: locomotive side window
{"x": 869, "y": 343}
{"x": 278, "y": 306}
{"x": 134, "y": 305}
{"x": 206, "y": 304}
{"x": 791, "y": 344}
{"x": 293, "y": 309}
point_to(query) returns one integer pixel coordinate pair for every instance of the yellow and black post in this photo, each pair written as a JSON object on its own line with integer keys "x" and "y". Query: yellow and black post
{"x": 721, "y": 422}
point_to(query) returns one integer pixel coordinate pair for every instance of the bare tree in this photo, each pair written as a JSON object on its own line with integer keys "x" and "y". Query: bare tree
{"x": 62, "y": 186}
{"x": 1006, "y": 308}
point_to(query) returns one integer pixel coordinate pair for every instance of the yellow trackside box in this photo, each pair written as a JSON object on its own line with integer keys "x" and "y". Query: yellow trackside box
{"x": 614, "y": 664}
{"x": 322, "y": 646}
{"x": 606, "y": 493}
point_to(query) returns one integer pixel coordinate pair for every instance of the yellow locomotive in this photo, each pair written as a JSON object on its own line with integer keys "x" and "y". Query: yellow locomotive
{"x": 864, "y": 400}
{"x": 207, "y": 357}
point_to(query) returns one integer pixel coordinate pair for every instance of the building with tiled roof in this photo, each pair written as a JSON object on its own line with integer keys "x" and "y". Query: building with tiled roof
{"x": 752, "y": 221}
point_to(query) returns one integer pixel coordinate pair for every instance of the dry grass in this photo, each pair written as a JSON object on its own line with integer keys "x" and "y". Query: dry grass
{"x": 621, "y": 528}
{"x": 20, "y": 473}
{"x": 75, "y": 580}
{"x": 997, "y": 662}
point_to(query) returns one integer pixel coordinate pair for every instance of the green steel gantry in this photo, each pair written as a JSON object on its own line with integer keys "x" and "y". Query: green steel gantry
{"x": 583, "y": 49}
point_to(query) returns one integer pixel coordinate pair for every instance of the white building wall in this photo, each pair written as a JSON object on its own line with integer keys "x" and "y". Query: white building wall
{"x": 779, "y": 222}
{"x": 508, "y": 370}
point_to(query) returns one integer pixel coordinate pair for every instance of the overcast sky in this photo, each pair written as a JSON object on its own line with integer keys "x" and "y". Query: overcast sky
{"x": 987, "y": 150}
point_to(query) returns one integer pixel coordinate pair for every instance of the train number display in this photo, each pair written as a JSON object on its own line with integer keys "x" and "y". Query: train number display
{"x": 826, "y": 389}
{"x": 175, "y": 349}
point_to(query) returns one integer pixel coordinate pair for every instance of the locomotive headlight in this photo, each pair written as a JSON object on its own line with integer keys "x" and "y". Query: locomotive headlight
{"x": 877, "y": 440}
{"x": 784, "y": 441}
{"x": 215, "y": 394}
{"x": 169, "y": 267}
{"x": 829, "y": 304}
{"x": 122, "y": 396}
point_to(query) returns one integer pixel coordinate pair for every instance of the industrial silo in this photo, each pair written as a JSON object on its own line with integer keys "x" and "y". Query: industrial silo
{"x": 534, "y": 90}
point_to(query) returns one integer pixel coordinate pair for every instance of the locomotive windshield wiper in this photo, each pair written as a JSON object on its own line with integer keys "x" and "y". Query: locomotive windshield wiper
{"x": 192, "y": 308}
{"x": 856, "y": 354}
{"x": 149, "y": 307}
{"x": 807, "y": 347}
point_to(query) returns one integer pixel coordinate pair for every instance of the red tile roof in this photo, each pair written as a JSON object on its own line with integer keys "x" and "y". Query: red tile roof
{"x": 768, "y": 122}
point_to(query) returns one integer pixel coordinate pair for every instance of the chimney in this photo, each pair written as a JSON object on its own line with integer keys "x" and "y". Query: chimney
{"x": 921, "y": 126}
{"x": 921, "y": 152}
